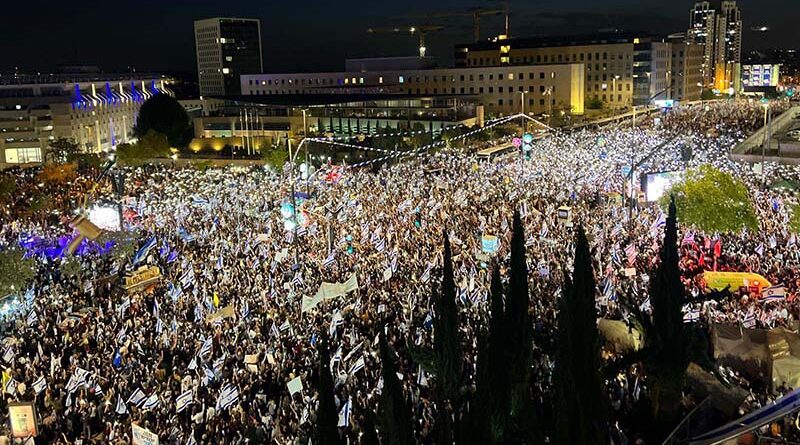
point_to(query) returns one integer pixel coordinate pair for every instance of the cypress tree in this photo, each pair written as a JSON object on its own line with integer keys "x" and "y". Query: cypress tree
{"x": 327, "y": 417}
{"x": 396, "y": 427}
{"x": 580, "y": 406}
{"x": 667, "y": 342}
{"x": 489, "y": 413}
{"x": 518, "y": 321}
{"x": 446, "y": 344}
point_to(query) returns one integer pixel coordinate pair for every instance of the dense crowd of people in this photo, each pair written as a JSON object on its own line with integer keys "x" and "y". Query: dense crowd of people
{"x": 212, "y": 353}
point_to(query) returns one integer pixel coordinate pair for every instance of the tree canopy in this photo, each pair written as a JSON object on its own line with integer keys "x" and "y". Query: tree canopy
{"x": 152, "y": 145}
{"x": 15, "y": 271}
{"x": 162, "y": 113}
{"x": 62, "y": 150}
{"x": 713, "y": 201}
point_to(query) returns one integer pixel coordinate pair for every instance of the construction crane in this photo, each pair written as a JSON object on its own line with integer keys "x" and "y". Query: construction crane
{"x": 421, "y": 31}
{"x": 475, "y": 13}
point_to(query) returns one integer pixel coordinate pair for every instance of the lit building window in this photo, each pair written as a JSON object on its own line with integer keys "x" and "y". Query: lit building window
{"x": 380, "y": 79}
{"x": 400, "y": 79}
{"x": 226, "y": 71}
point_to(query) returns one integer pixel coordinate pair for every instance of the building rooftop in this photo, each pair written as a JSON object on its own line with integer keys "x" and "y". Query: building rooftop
{"x": 76, "y": 77}
{"x": 303, "y": 100}
{"x": 552, "y": 41}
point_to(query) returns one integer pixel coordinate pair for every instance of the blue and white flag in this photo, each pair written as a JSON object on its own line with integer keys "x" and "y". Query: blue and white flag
{"x": 749, "y": 320}
{"x": 774, "y": 293}
{"x": 206, "y": 347}
{"x": 328, "y": 262}
{"x": 137, "y": 398}
{"x": 344, "y": 414}
{"x": 30, "y": 295}
{"x": 183, "y": 400}
{"x": 141, "y": 254}
{"x": 357, "y": 366}
{"x": 659, "y": 222}
{"x": 121, "y": 409}
{"x": 691, "y": 316}
{"x": 228, "y": 396}
{"x": 200, "y": 201}
{"x": 33, "y": 318}
{"x": 426, "y": 276}
{"x": 172, "y": 257}
{"x": 245, "y": 311}
{"x": 185, "y": 236}
{"x": 39, "y": 385}
{"x": 159, "y": 326}
{"x": 151, "y": 402}
{"x": 380, "y": 245}
{"x": 187, "y": 279}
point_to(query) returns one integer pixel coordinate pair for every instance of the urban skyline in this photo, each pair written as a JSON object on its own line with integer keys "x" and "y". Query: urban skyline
{"x": 162, "y": 41}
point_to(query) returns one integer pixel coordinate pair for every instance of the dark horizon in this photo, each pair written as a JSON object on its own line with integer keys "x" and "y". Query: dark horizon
{"x": 314, "y": 36}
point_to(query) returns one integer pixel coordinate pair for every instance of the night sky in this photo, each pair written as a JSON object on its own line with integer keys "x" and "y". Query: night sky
{"x": 309, "y": 35}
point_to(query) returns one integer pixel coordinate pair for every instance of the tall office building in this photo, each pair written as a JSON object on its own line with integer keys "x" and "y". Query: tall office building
{"x": 226, "y": 49}
{"x": 719, "y": 29}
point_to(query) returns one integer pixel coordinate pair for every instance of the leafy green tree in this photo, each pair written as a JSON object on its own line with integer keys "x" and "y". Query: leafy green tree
{"x": 580, "y": 405}
{"x": 152, "y": 145}
{"x": 707, "y": 95}
{"x": 794, "y": 222}
{"x": 327, "y": 417}
{"x": 593, "y": 103}
{"x": 7, "y": 189}
{"x": 713, "y": 201}
{"x": 61, "y": 150}
{"x": 395, "y": 414}
{"x": 276, "y": 158}
{"x": 163, "y": 114}
{"x": 16, "y": 272}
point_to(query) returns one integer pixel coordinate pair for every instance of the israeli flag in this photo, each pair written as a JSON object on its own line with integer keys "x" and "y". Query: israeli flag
{"x": 426, "y": 276}
{"x": 187, "y": 279}
{"x": 183, "y": 400}
{"x": 121, "y": 409}
{"x": 380, "y": 245}
{"x": 172, "y": 257}
{"x": 151, "y": 402}
{"x": 39, "y": 385}
{"x": 344, "y": 414}
{"x": 185, "y": 236}
{"x": 228, "y": 396}
{"x": 297, "y": 280}
{"x": 33, "y": 318}
{"x": 357, "y": 366}
{"x": 137, "y": 398}
{"x": 245, "y": 312}
{"x": 205, "y": 348}
{"x": 29, "y": 296}
{"x": 285, "y": 326}
{"x": 329, "y": 260}
{"x": 200, "y": 201}
{"x": 159, "y": 326}
{"x": 142, "y": 253}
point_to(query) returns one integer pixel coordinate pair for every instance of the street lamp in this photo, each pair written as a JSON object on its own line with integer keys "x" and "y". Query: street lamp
{"x": 614, "y": 85}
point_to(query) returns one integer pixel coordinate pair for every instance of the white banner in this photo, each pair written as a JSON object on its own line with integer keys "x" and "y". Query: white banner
{"x": 142, "y": 436}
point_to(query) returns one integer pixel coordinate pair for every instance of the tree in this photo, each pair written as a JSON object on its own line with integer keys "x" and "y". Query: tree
{"x": 518, "y": 320}
{"x": 580, "y": 406}
{"x": 794, "y": 221}
{"x": 713, "y": 201}
{"x": 276, "y": 158}
{"x": 490, "y": 411}
{"x": 152, "y": 145}
{"x": 707, "y": 95}
{"x": 16, "y": 271}
{"x": 446, "y": 348}
{"x": 395, "y": 415}
{"x": 61, "y": 150}
{"x": 58, "y": 174}
{"x": 7, "y": 189}
{"x": 163, "y": 114}
{"x": 594, "y": 103}
{"x": 327, "y": 417}
{"x": 446, "y": 344}
{"x": 667, "y": 347}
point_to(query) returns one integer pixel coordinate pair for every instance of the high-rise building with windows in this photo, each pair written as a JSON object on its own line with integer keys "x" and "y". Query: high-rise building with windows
{"x": 719, "y": 28}
{"x": 226, "y": 49}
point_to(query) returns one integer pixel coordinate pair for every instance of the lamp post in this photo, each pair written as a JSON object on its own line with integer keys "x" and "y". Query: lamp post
{"x": 767, "y": 118}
